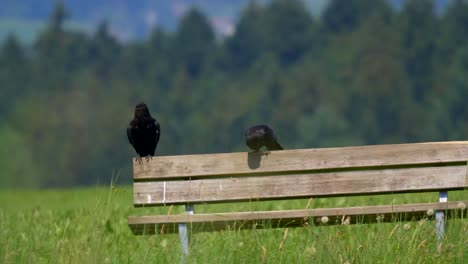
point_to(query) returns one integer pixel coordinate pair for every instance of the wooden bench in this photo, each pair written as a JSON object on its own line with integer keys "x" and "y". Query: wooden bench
{"x": 291, "y": 174}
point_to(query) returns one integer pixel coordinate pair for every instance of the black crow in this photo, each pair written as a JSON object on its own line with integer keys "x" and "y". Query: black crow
{"x": 261, "y": 135}
{"x": 143, "y": 132}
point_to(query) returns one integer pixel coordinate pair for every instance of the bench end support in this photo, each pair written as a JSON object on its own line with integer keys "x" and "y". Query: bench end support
{"x": 440, "y": 219}
{"x": 184, "y": 235}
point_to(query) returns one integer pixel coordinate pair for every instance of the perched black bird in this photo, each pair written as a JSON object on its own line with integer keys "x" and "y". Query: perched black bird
{"x": 261, "y": 135}
{"x": 143, "y": 132}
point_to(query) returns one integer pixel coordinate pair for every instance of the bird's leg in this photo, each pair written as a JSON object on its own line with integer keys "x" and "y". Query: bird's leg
{"x": 138, "y": 159}
{"x": 261, "y": 152}
{"x": 148, "y": 158}
{"x": 257, "y": 152}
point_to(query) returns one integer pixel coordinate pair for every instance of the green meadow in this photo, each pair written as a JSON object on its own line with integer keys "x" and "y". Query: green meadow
{"x": 89, "y": 225}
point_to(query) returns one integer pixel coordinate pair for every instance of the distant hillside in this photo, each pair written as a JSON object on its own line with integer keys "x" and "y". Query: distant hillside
{"x": 130, "y": 19}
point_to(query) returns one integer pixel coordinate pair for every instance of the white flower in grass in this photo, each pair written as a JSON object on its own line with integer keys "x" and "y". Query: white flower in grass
{"x": 164, "y": 243}
{"x": 312, "y": 250}
{"x": 430, "y": 212}
{"x": 461, "y": 205}
{"x": 324, "y": 219}
{"x": 407, "y": 226}
{"x": 380, "y": 218}
{"x": 347, "y": 221}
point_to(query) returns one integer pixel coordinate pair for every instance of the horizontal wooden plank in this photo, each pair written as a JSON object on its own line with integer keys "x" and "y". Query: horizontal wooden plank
{"x": 291, "y": 218}
{"x": 194, "y": 166}
{"x": 300, "y": 185}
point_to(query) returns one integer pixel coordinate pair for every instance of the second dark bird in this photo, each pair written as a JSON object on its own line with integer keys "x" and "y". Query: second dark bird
{"x": 261, "y": 135}
{"x": 143, "y": 132}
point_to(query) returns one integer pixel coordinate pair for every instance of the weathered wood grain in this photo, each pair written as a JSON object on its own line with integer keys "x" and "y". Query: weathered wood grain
{"x": 291, "y": 218}
{"x": 300, "y": 185}
{"x": 245, "y": 163}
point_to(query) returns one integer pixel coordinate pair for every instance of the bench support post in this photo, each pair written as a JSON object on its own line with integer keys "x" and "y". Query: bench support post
{"x": 184, "y": 235}
{"x": 440, "y": 218}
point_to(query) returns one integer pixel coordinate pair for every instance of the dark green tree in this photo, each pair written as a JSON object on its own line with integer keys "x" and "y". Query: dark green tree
{"x": 58, "y": 17}
{"x": 348, "y": 15}
{"x": 194, "y": 42}
{"x": 247, "y": 43}
{"x": 454, "y": 30}
{"x": 15, "y": 74}
{"x": 159, "y": 64}
{"x": 288, "y": 20}
{"x": 105, "y": 51}
{"x": 12, "y": 52}
{"x": 54, "y": 33}
{"x": 419, "y": 32}
{"x": 449, "y": 110}
{"x": 60, "y": 52}
{"x": 368, "y": 82}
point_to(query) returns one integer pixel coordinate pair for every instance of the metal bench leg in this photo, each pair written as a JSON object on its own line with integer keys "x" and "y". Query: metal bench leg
{"x": 440, "y": 218}
{"x": 184, "y": 235}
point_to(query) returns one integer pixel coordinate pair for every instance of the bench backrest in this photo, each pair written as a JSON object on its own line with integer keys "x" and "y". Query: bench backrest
{"x": 302, "y": 173}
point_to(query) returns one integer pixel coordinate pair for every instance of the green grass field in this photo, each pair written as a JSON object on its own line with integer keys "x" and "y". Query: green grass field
{"x": 89, "y": 225}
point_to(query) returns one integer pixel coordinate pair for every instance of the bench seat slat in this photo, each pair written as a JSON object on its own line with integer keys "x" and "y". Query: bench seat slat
{"x": 244, "y": 163}
{"x": 321, "y": 184}
{"x": 290, "y": 218}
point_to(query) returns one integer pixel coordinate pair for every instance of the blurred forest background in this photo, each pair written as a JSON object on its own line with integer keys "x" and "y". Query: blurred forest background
{"x": 363, "y": 72}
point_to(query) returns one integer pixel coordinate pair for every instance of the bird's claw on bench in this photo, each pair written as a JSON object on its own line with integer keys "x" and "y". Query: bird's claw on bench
{"x": 138, "y": 159}
{"x": 262, "y": 152}
{"x": 148, "y": 158}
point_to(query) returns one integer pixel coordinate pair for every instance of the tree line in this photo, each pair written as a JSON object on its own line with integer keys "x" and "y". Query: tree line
{"x": 361, "y": 73}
